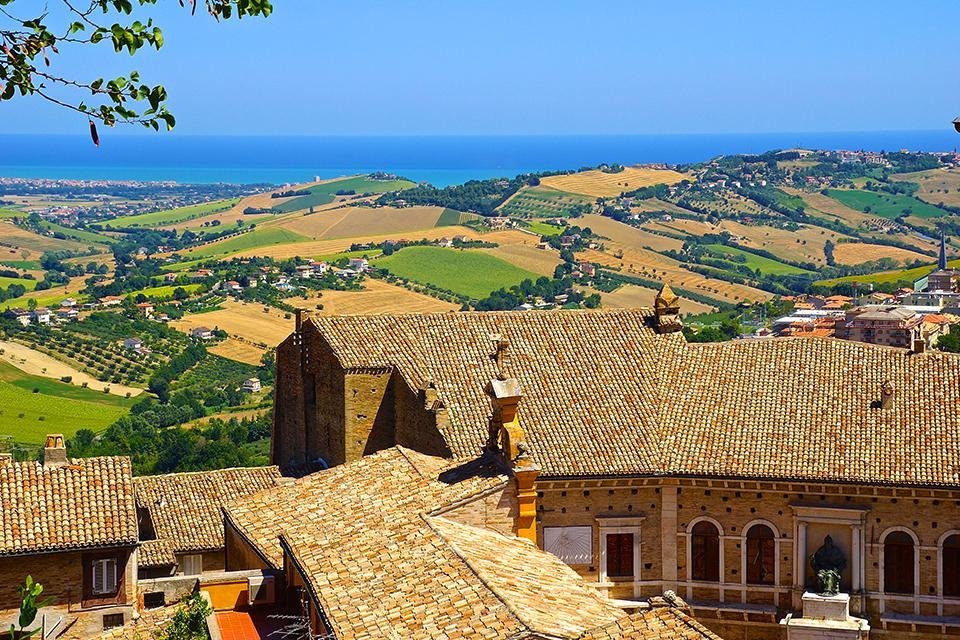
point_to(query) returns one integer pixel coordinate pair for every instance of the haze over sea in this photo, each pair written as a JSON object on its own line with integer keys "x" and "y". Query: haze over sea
{"x": 440, "y": 160}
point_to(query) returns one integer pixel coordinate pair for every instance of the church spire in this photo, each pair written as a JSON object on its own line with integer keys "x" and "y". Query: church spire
{"x": 942, "y": 262}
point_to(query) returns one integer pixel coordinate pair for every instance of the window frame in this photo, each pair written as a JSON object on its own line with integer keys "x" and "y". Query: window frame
{"x": 616, "y": 555}
{"x": 772, "y": 544}
{"x": 915, "y": 565}
{"x": 692, "y": 537}
{"x": 192, "y": 558}
{"x": 942, "y": 565}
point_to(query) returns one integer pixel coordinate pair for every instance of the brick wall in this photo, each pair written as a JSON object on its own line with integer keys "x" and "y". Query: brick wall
{"x": 496, "y": 511}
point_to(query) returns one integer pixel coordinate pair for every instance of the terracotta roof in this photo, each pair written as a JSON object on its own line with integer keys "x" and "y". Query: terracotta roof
{"x": 185, "y": 508}
{"x": 604, "y": 395}
{"x": 379, "y": 562}
{"x": 87, "y": 503}
{"x": 661, "y": 622}
{"x": 589, "y": 406}
{"x": 156, "y": 553}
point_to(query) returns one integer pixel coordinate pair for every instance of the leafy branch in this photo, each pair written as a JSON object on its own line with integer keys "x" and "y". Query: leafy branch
{"x": 27, "y": 45}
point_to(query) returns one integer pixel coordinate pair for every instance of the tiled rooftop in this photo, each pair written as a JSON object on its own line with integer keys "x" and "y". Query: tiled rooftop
{"x": 85, "y": 504}
{"x": 605, "y": 395}
{"x": 381, "y": 564}
{"x": 185, "y": 507}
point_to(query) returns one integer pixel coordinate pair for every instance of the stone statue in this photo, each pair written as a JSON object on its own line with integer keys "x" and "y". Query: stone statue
{"x": 828, "y": 562}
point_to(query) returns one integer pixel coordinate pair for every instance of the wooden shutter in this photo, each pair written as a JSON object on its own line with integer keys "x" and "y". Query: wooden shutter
{"x": 951, "y": 566}
{"x": 620, "y": 555}
{"x": 705, "y": 547}
{"x": 99, "y": 577}
{"x": 760, "y": 555}
{"x": 898, "y": 563}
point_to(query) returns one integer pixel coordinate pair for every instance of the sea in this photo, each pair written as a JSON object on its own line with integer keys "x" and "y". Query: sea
{"x": 439, "y": 160}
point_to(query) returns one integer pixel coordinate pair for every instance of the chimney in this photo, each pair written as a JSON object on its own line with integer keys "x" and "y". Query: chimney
{"x": 54, "y": 452}
{"x": 666, "y": 308}
{"x": 886, "y": 395}
{"x": 302, "y": 315}
{"x": 508, "y": 438}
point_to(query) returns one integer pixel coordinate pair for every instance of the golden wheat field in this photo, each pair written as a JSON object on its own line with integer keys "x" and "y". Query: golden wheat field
{"x": 936, "y": 185}
{"x": 653, "y": 266}
{"x": 379, "y": 297}
{"x": 859, "y": 252}
{"x": 599, "y": 184}
{"x": 520, "y": 249}
{"x": 631, "y": 296}
{"x": 632, "y": 236}
{"x": 316, "y": 248}
{"x": 238, "y": 350}
{"x": 262, "y": 326}
{"x": 354, "y": 222}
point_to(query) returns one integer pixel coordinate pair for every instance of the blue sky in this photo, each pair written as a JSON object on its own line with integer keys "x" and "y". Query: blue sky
{"x": 538, "y": 67}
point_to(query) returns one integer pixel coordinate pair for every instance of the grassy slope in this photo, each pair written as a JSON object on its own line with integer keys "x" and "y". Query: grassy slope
{"x": 6, "y": 282}
{"x": 885, "y": 205}
{"x": 172, "y": 216}
{"x": 544, "y": 229}
{"x": 57, "y": 407}
{"x": 78, "y": 234}
{"x": 471, "y": 273}
{"x": 252, "y": 240}
{"x": 324, "y": 193}
{"x": 165, "y": 291}
{"x": 883, "y": 277}
{"x": 766, "y": 265}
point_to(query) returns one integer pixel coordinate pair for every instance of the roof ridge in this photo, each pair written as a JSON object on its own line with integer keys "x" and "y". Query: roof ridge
{"x": 462, "y": 556}
{"x": 179, "y": 474}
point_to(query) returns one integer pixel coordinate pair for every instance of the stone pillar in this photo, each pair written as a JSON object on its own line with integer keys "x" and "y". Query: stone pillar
{"x": 856, "y": 566}
{"x": 801, "y": 550}
{"x": 668, "y": 534}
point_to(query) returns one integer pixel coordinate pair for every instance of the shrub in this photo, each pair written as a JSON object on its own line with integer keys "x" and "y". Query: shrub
{"x": 67, "y": 379}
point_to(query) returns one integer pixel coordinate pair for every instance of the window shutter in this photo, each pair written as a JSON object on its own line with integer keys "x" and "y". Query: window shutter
{"x": 110, "y": 581}
{"x": 98, "y": 576}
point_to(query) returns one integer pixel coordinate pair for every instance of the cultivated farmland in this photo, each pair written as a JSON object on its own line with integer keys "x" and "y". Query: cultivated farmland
{"x": 541, "y": 201}
{"x": 256, "y": 239}
{"x": 630, "y": 296}
{"x": 936, "y": 185}
{"x": 353, "y": 222}
{"x": 467, "y": 272}
{"x": 31, "y": 407}
{"x": 859, "y": 252}
{"x": 325, "y": 192}
{"x": 173, "y": 216}
{"x": 35, "y": 363}
{"x": 885, "y": 205}
{"x": 599, "y": 184}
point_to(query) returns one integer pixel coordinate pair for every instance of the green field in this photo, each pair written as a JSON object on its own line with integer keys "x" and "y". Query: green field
{"x": 27, "y": 265}
{"x": 544, "y": 202}
{"x": 766, "y": 266}
{"x": 452, "y": 217}
{"x": 886, "y": 277}
{"x": 165, "y": 292}
{"x": 544, "y": 229}
{"x": 250, "y": 240}
{"x": 9, "y": 213}
{"x": 784, "y": 199}
{"x": 6, "y": 282}
{"x": 43, "y": 299}
{"x": 471, "y": 273}
{"x": 57, "y": 407}
{"x": 324, "y": 193}
{"x": 885, "y": 205}
{"x": 78, "y": 234}
{"x": 173, "y": 216}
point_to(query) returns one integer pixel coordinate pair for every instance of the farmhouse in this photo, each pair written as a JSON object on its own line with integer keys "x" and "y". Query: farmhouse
{"x": 72, "y": 525}
{"x": 251, "y": 385}
{"x": 41, "y": 315}
{"x": 146, "y": 308}
{"x": 652, "y": 464}
{"x": 201, "y": 333}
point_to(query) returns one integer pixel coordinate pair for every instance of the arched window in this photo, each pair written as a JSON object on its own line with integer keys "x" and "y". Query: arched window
{"x": 898, "y": 563}
{"x": 951, "y": 566}
{"x": 761, "y": 554}
{"x": 705, "y": 551}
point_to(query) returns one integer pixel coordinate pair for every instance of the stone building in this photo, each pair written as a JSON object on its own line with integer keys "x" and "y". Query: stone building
{"x": 713, "y": 470}
{"x": 403, "y": 545}
{"x": 888, "y": 325}
{"x": 72, "y": 525}
{"x": 180, "y": 524}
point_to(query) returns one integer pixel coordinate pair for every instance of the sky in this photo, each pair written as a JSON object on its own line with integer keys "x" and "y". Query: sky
{"x": 364, "y": 67}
